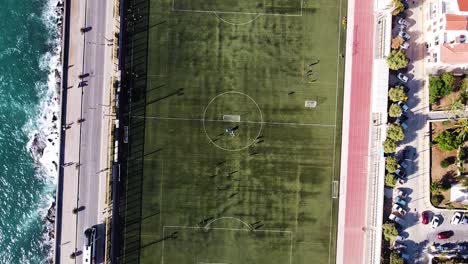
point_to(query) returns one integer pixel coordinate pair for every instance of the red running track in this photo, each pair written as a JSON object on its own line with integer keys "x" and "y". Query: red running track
{"x": 358, "y": 141}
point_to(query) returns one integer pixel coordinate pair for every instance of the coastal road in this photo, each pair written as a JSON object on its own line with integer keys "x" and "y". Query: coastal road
{"x": 95, "y": 110}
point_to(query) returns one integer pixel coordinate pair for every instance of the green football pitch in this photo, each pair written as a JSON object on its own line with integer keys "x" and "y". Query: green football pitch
{"x": 242, "y": 131}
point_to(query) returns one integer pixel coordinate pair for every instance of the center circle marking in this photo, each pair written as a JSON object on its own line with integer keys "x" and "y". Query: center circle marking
{"x": 233, "y": 149}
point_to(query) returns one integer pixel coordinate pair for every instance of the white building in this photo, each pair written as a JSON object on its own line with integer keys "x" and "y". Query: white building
{"x": 446, "y": 31}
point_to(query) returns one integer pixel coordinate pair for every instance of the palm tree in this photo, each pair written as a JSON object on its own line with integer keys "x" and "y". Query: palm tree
{"x": 461, "y": 128}
{"x": 456, "y": 109}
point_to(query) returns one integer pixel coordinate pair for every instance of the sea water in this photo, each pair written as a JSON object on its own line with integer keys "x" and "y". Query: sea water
{"x": 29, "y": 127}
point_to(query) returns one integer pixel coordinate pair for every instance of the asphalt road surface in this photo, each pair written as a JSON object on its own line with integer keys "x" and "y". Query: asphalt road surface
{"x": 94, "y": 112}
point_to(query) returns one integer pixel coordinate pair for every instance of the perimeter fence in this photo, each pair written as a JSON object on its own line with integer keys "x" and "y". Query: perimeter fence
{"x": 133, "y": 56}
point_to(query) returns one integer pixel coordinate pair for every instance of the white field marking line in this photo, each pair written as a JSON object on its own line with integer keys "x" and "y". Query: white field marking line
{"x": 225, "y": 12}
{"x": 237, "y": 24}
{"x": 161, "y": 195}
{"x": 291, "y": 248}
{"x": 246, "y": 121}
{"x": 162, "y": 254}
{"x": 212, "y": 262}
{"x": 227, "y": 217}
{"x": 336, "y": 118}
{"x": 228, "y": 229}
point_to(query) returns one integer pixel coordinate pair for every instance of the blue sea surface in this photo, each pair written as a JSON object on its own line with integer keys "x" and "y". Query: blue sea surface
{"x": 28, "y": 99}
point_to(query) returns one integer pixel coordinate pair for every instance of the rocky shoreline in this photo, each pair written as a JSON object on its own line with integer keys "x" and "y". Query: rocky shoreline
{"x": 44, "y": 145}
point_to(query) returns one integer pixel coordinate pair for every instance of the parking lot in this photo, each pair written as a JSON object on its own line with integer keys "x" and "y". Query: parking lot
{"x": 418, "y": 237}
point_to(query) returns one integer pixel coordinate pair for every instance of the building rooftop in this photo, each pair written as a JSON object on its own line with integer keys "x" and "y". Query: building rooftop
{"x": 456, "y": 22}
{"x": 463, "y": 5}
{"x": 454, "y": 53}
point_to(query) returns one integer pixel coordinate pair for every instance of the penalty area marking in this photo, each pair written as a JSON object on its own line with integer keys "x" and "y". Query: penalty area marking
{"x": 239, "y": 13}
{"x": 228, "y": 229}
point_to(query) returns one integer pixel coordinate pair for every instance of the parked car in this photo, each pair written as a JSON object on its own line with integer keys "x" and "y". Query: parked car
{"x": 402, "y": 193}
{"x": 405, "y": 45}
{"x": 403, "y": 106}
{"x": 402, "y": 118}
{"x": 403, "y": 164}
{"x": 401, "y": 121}
{"x": 409, "y": 152}
{"x": 404, "y": 35}
{"x": 400, "y": 201}
{"x": 464, "y": 220}
{"x": 397, "y": 219}
{"x": 445, "y": 234}
{"x": 425, "y": 216}
{"x": 400, "y": 173}
{"x": 402, "y": 77}
{"x": 435, "y": 221}
{"x": 399, "y": 209}
{"x": 456, "y": 218}
{"x": 402, "y": 21}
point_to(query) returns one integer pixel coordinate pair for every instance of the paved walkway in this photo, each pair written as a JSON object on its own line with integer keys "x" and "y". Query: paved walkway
{"x": 66, "y": 243}
{"x": 356, "y": 116}
{"x": 445, "y": 115}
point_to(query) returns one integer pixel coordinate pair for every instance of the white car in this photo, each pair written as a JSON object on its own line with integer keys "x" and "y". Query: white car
{"x": 398, "y": 208}
{"x": 456, "y": 218}
{"x": 435, "y": 221}
{"x": 402, "y": 77}
{"x": 404, "y": 35}
{"x": 402, "y": 193}
{"x": 405, "y": 45}
{"x": 402, "y": 21}
{"x": 403, "y": 106}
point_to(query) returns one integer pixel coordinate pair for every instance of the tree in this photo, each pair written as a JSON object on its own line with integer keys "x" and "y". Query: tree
{"x": 395, "y": 132}
{"x": 396, "y": 42}
{"x": 448, "y": 141}
{"x": 389, "y": 146}
{"x": 457, "y": 109}
{"x": 397, "y": 59}
{"x": 390, "y": 180}
{"x": 395, "y": 258}
{"x": 448, "y": 80}
{"x": 391, "y": 164}
{"x": 389, "y": 231}
{"x": 436, "y": 199}
{"x": 394, "y": 110}
{"x": 439, "y": 88}
{"x": 399, "y": 7}
{"x": 445, "y": 163}
{"x": 397, "y": 93}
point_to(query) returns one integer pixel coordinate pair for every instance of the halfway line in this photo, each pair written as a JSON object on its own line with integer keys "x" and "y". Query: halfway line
{"x": 227, "y": 121}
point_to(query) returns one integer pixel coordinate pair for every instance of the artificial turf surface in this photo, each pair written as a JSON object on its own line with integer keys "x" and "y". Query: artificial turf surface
{"x": 203, "y": 187}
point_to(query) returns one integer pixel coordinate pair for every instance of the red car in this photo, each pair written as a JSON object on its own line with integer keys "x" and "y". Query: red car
{"x": 445, "y": 234}
{"x": 425, "y": 217}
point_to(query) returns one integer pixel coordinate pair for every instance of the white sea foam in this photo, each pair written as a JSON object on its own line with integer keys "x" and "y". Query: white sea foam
{"x": 44, "y": 126}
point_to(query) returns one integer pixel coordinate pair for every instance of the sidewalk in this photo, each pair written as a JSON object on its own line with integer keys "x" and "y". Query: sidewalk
{"x": 67, "y": 243}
